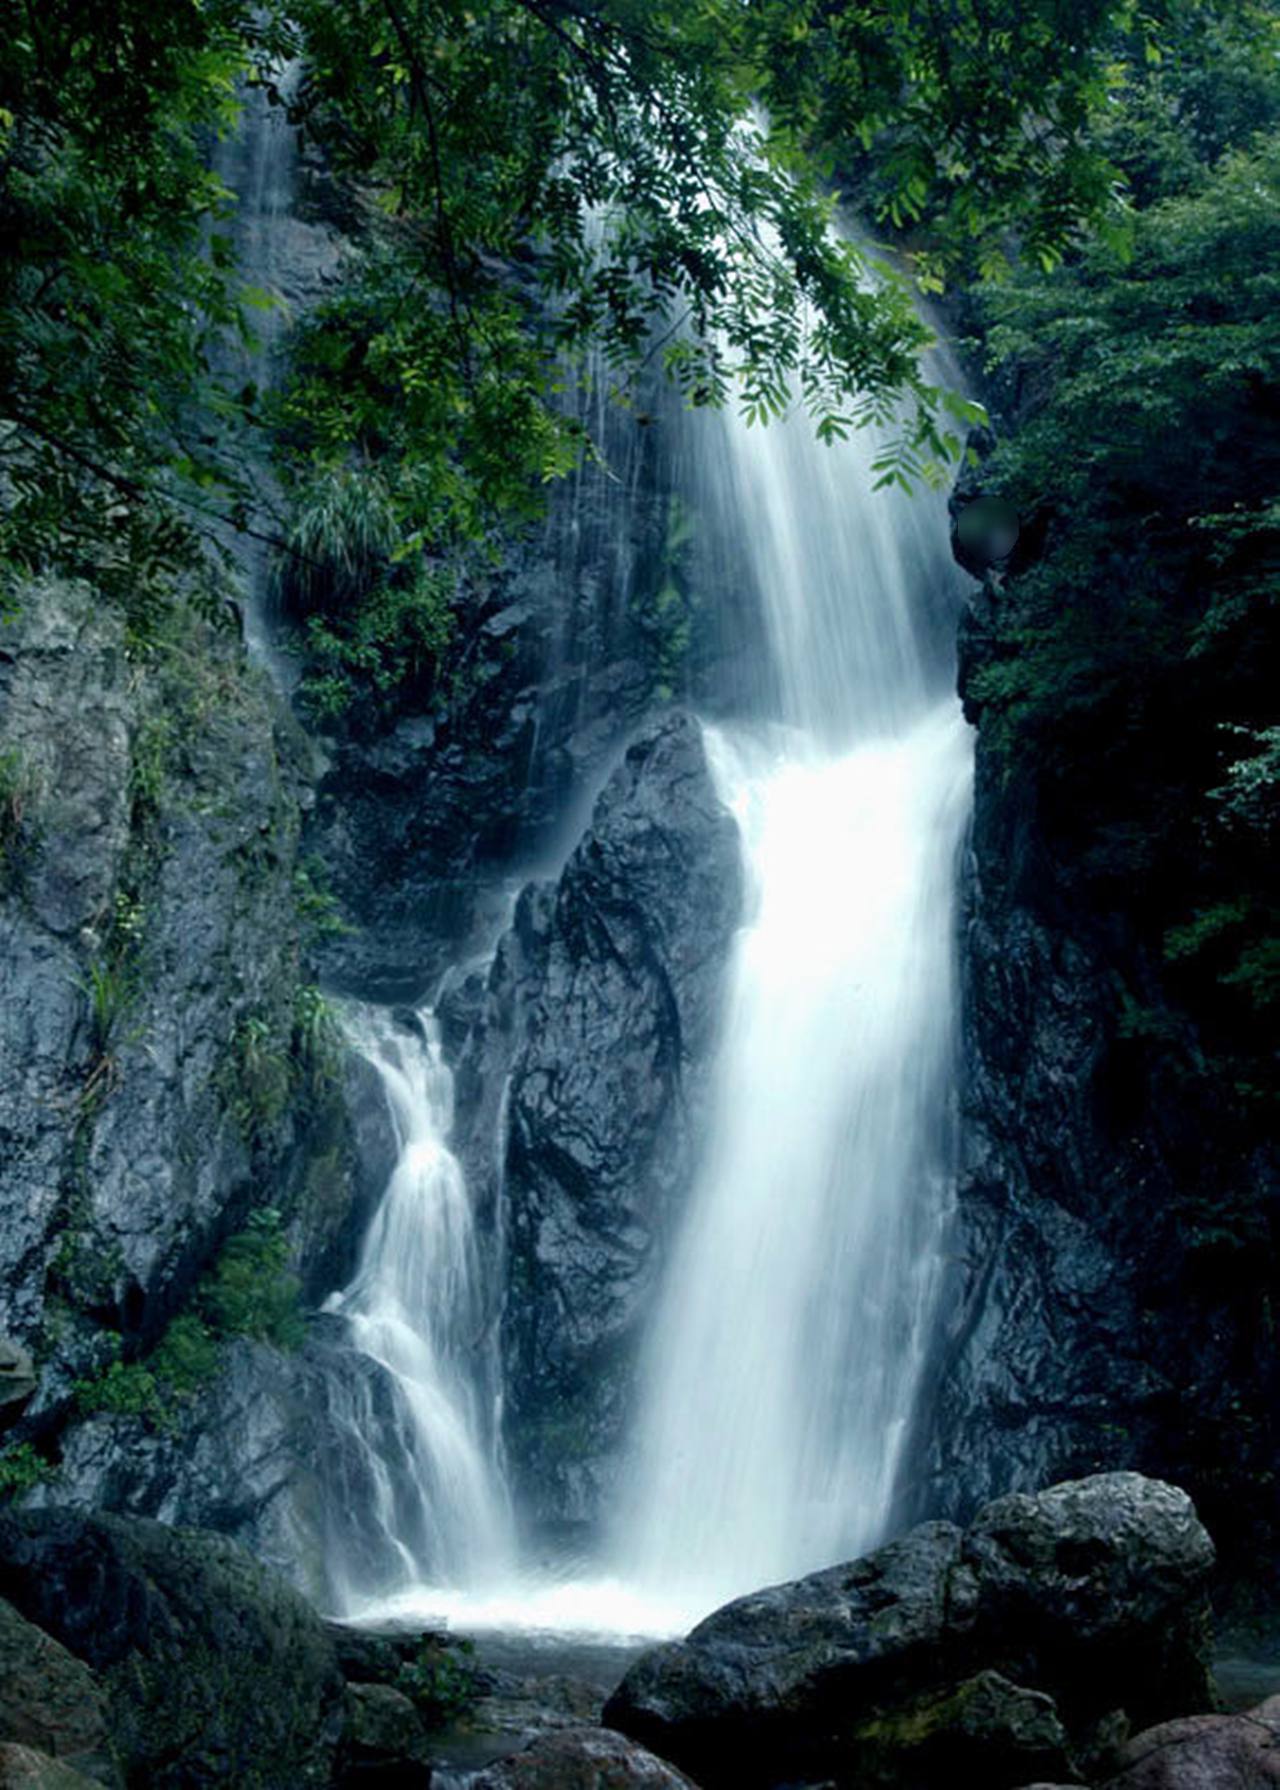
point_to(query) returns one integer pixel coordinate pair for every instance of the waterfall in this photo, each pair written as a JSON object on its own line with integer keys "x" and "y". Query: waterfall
{"x": 285, "y": 262}
{"x": 789, "y": 1342}
{"x": 414, "y": 1307}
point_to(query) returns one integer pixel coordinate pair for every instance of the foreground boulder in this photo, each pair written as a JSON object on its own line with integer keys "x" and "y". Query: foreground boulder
{"x": 582, "y": 1759}
{"x": 1205, "y": 1752}
{"x": 215, "y": 1671}
{"x": 1025, "y": 1645}
{"x": 50, "y": 1703}
{"x": 23, "y": 1768}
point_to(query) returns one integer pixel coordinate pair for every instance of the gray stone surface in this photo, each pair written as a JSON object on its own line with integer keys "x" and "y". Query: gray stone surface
{"x": 1206, "y": 1752}
{"x": 25, "y": 1768}
{"x": 587, "y": 1056}
{"x": 124, "y": 1156}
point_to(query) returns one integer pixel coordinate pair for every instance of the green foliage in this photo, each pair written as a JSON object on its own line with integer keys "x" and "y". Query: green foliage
{"x": 184, "y": 1361}
{"x": 531, "y": 178}
{"x": 21, "y": 1470}
{"x": 317, "y": 905}
{"x": 251, "y": 1291}
{"x": 152, "y": 746}
{"x": 388, "y": 650}
{"x": 257, "y": 1076}
{"x": 248, "y": 1292}
{"x": 1128, "y": 650}
{"x": 442, "y": 1681}
{"x": 341, "y": 535}
{"x": 317, "y": 1039}
{"x": 268, "y": 1065}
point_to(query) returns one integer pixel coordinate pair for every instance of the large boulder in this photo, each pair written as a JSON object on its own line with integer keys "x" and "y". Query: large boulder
{"x": 582, "y": 1759}
{"x": 1015, "y": 1643}
{"x": 1093, "y": 1584}
{"x": 216, "y": 1672}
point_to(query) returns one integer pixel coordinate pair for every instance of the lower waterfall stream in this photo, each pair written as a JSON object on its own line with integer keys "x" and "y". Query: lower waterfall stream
{"x": 788, "y": 1342}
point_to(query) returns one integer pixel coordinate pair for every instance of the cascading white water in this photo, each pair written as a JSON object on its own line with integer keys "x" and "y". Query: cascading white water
{"x": 788, "y": 1345}
{"x": 414, "y": 1306}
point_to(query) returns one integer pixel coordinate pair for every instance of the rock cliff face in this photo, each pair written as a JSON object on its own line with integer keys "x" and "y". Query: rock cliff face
{"x": 1111, "y": 1310}
{"x": 619, "y": 603}
{"x": 159, "y": 1081}
{"x": 586, "y": 1060}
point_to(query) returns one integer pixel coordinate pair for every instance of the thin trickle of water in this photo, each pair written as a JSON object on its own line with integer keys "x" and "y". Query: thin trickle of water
{"x": 279, "y": 259}
{"x": 414, "y": 1306}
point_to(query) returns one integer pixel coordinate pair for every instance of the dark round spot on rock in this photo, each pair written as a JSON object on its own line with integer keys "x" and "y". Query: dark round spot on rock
{"x": 987, "y": 529}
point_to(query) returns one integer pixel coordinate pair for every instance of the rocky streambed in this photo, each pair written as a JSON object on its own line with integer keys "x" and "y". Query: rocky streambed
{"x": 1063, "y": 1637}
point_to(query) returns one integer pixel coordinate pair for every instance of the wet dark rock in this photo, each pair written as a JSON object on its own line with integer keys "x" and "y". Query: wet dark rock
{"x": 386, "y": 1743}
{"x": 984, "y": 1731}
{"x": 589, "y": 1063}
{"x": 1014, "y": 1642}
{"x": 215, "y": 1671}
{"x": 582, "y": 1759}
{"x": 50, "y": 1701}
{"x": 1115, "y": 1232}
{"x": 273, "y": 1452}
{"x": 1101, "y": 1585}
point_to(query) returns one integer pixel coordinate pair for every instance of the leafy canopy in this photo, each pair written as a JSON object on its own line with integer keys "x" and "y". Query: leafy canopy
{"x": 533, "y": 175}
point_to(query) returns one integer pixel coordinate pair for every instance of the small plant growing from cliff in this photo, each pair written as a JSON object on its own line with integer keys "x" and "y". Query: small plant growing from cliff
{"x": 251, "y": 1291}
{"x": 442, "y": 1681}
{"x": 317, "y": 905}
{"x": 154, "y": 1389}
{"x": 22, "y": 1469}
{"x": 148, "y": 768}
{"x": 257, "y": 1075}
{"x": 317, "y": 1039}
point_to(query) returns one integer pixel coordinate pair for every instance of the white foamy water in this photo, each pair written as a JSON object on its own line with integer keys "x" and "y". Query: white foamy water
{"x": 786, "y": 1357}
{"x": 414, "y": 1306}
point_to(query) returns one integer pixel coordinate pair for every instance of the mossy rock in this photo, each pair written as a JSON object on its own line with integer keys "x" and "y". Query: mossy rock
{"x": 216, "y": 1671}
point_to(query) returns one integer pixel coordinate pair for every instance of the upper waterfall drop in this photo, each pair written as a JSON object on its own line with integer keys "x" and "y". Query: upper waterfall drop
{"x": 787, "y": 1351}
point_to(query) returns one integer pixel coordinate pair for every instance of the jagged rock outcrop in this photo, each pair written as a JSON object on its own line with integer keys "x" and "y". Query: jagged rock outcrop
{"x": 25, "y": 1768}
{"x": 586, "y": 1058}
{"x": 164, "y": 1072}
{"x": 215, "y": 1672}
{"x": 146, "y": 916}
{"x": 1022, "y": 1646}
